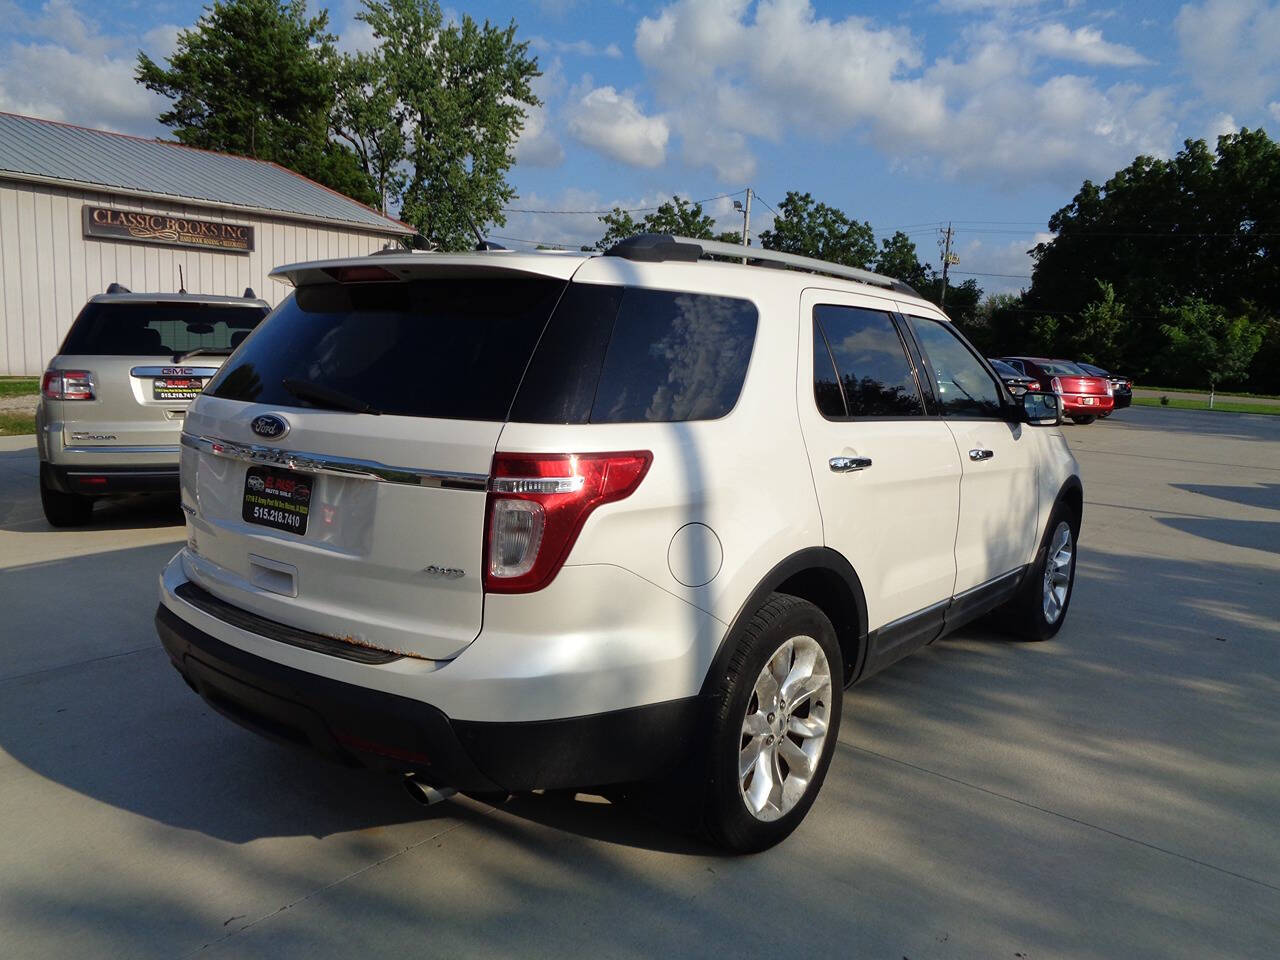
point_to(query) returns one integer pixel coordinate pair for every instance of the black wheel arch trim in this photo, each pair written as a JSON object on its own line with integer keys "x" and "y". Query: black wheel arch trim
{"x": 802, "y": 561}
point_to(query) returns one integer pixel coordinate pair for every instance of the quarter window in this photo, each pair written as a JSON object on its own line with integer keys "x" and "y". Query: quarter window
{"x": 965, "y": 389}
{"x": 860, "y": 365}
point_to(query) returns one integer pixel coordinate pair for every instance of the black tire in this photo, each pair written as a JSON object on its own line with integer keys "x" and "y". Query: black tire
{"x": 1025, "y": 615}
{"x": 727, "y": 819}
{"x": 65, "y": 509}
{"x": 1084, "y": 420}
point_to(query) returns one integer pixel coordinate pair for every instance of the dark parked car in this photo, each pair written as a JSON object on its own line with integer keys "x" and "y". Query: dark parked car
{"x": 1121, "y": 387}
{"x": 1084, "y": 396}
{"x": 1018, "y": 383}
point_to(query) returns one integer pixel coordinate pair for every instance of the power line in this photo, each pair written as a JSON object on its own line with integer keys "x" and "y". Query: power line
{"x": 721, "y": 196}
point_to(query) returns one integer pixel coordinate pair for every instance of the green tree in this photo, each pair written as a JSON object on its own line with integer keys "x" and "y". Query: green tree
{"x": 1205, "y": 345}
{"x": 1095, "y": 337}
{"x": 365, "y": 117}
{"x": 460, "y": 91}
{"x": 255, "y": 77}
{"x": 677, "y": 217}
{"x": 1203, "y": 224}
{"x": 816, "y": 230}
{"x": 898, "y": 259}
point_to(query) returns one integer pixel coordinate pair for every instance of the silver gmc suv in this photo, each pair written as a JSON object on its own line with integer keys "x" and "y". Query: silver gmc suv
{"x": 113, "y": 400}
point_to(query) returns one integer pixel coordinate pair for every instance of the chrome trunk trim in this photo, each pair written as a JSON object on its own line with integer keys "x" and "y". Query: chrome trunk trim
{"x": 328, "y": 464}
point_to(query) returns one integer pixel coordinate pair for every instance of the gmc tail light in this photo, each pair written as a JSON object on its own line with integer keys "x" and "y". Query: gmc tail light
{"x": 1055, "y": 385}
{"x": 67, "y": 385}
{"x": 537, "y": 505}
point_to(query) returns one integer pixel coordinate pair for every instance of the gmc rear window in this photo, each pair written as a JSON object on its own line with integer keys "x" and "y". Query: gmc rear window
{"x": 159, "y": 329}
{"x": 533, "y": 350}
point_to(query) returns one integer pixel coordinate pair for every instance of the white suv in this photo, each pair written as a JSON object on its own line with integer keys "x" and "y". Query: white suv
{"x": 505, "y": 521}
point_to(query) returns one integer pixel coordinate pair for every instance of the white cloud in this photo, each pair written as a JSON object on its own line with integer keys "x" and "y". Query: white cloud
{"x": 728, "y": 71}
{"x": 1273, "y": 108}
{"x": 972, "y": 6}
{"x": 613, "y": 123}
{"x": 538, "y": 145}
{"x": 581, "y": 48}
{"x": 65, "y": 68}
{"x": 1229, "y": 48}
{"x": 1221, "y": 125}
{"x": 1084, "y": 45}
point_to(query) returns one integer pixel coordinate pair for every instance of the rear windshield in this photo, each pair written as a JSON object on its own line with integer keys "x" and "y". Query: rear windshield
{"x": 525, "y": 349}
{"x": 1061, "y": 368}
{"x": 452, "y": 348}
{"x": 159, "y": 329}
{"x": 1002, "y": 368}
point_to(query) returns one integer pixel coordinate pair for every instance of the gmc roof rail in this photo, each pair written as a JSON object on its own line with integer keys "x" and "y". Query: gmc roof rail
{"x": 663, "y": 247}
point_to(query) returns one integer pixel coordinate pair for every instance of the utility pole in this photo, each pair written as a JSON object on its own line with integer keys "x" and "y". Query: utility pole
{"x": 948, "y": 258}
{"x": 746, "y": 218}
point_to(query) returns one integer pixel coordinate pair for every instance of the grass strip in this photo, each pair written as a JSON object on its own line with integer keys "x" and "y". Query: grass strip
{"x": 1219, "y": 406}
{"x": 18, "y": 386}
{"x": 16, "y": 424}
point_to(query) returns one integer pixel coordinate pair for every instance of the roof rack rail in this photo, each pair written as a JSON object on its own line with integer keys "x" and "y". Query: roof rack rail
{"x": 661, "y": 247}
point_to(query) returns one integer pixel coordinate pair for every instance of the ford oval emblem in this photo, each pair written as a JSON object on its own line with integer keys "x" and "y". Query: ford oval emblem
{"x": 269, "y": 426}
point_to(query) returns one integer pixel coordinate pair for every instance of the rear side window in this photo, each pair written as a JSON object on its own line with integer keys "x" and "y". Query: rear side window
{"x": 627, "y": 355}
{"x": 860, "y": 365}
{"x": 159, "y": 329}
{"x": 451, "y": 348}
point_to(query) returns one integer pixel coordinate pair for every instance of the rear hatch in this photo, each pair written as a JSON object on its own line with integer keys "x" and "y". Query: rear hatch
{"x": 337, "y": 466}
{"x": 147, "y": 360}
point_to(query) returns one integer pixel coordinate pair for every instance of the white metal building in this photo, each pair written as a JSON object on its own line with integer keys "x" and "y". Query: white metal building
{"x": 81, "y": 208}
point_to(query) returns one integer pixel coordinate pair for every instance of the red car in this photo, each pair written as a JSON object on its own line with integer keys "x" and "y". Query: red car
{"x": 1084, "y": 397}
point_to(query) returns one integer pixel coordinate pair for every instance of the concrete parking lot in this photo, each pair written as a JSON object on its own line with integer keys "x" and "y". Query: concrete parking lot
{"x": 1112, "y": 793}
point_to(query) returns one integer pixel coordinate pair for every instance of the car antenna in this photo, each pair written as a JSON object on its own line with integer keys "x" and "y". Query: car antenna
{"x": 182, "y": 284}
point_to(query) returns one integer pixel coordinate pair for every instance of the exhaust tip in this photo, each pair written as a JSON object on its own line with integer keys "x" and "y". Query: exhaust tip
{"x": 426, "y": 794}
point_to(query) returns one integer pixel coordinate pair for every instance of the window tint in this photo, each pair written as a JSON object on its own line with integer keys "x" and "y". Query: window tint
{"x": 451, "y": 348}
{"x": 560, "y": 385}
{"x": 826, "y": 384}
{"x": 965, "y": 389}
{"x": 626, "y": 355}
{"x": 674, "y": 356}
{"x": 158, "y": 329}
{"x": 875, "y": 375}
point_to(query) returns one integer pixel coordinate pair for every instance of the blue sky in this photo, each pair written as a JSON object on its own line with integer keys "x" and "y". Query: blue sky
{"x": 909, "y": 114}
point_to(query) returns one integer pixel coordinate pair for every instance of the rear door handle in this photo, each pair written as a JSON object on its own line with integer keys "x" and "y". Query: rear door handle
{"x": 981, "y": 454}
{"x": 849, "y": 464}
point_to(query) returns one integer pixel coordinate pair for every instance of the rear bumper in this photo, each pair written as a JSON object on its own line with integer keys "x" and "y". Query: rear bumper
{"x": 1087, "y": 404}
{"x": 104, "y": 480}
{"x": 1123, "y": 400}
{"x": 359, "y": 726}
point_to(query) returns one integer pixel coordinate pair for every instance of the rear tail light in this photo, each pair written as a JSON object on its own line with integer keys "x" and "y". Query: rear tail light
{"x": 1055, "y": 385}
{"x": 1111, "y": 390}
{"x": 537, "y": 506}
{"x": 67, "y": 385}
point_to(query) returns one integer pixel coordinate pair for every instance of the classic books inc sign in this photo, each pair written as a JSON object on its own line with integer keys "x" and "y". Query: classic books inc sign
{"x": 172, "y": 231}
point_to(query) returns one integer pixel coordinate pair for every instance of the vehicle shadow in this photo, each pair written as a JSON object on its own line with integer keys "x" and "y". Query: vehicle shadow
{"x": 1255, "y": 534}
{"x": 1265, "y": 495}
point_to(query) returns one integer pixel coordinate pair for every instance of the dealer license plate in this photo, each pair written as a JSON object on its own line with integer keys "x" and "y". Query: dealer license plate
{"x": 277, "y": 498}
{"x": 176, "y": 388}
{"x": 1090, "y": 401}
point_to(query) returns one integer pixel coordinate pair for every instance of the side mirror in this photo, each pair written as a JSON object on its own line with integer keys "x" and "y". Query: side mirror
{"x": 1041, "y": 409}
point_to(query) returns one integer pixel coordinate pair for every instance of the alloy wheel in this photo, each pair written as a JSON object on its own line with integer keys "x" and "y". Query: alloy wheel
{"x": 784, "y": 729}
{"x": 1057, "y": 572}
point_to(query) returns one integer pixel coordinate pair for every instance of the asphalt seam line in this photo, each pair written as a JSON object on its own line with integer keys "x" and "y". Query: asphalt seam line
{"x": 1067, "y": 817}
